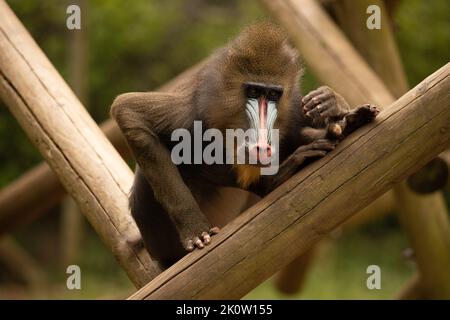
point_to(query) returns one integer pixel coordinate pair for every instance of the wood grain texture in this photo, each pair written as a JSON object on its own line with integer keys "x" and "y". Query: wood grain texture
{"x": 295, "y": 216}
{"x": 87, "y": 164}
{"x": 425, "y": 218}
{"x": 387, "y": 66}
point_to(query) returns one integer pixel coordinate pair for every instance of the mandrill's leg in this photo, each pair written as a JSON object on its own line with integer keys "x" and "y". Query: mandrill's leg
{"x": 144, "y": 118}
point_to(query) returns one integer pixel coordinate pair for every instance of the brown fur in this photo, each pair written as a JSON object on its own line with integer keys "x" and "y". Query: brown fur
{"x": 166, "y": 198}
{"x": 247, "y": 58}
{"x": 246, "y": 175}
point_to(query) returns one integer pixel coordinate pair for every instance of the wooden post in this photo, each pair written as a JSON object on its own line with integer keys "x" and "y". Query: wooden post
{"x": 259, "y": 237}
{"x": 78, "y": 152}
{"x": 425, "y": 218}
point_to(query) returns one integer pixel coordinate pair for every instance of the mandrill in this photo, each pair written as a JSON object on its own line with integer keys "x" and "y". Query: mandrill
{"x": 252, "y": 83}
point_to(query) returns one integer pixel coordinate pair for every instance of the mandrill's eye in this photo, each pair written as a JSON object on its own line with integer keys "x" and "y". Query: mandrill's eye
{"x": 273, "y": 95}
{"x": 252, "y": 92}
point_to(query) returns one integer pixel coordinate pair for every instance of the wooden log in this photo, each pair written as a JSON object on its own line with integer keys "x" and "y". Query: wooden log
{"x": 333, "y": 60}
{"x": 295, "y": 15}
{"x": 434, "y": 176}
{"x": 375, "y": 211}
{"x": 253, "y": 246}
{"x": 423, "y": 226}
{"x": 290, "y": 280}
{"x": 87, "y": 164}
{"x": 39, "y": 189}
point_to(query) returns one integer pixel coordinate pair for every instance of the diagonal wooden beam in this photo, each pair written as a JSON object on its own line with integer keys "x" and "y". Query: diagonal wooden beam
{"x": 406, "y": 135}
{"x": 325, "y": 48}
{"x": 67, "y": 137}
{"x": 424, "y": 217}
{"x": 40, "y": 189}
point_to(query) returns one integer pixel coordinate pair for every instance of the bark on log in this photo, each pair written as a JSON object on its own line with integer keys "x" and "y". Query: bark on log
{"x": 424, "y": 218}
{"x": 67, "y": 137}
{"x": 305, "y": 20}
{"x": 406, "y": 135}
{"x": 39, "y": 189}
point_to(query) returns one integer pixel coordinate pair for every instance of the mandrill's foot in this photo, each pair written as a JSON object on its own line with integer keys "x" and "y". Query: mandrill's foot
{"x": 200, "y": 239}
{"x": 352, "y": 121}
{"x": 359, "y": 117}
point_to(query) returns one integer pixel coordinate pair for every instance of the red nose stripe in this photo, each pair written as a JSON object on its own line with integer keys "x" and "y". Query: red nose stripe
{"x": 262, "y": 120}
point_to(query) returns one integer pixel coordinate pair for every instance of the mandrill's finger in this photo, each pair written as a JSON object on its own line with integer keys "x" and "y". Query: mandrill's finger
{"x": 314, "y": 114}
{"x": 198, "y": 243}
{"x": 323, "y": 108}
{"x": 323, "y": 93}
{"x": 325, "y": 145}
{"x": 310, "y": 95}
{"x": 311, "y": 104}
{"x": 190, "y": 245}
{"x": 206, "y": 238}
{"x": 214, "y": 230}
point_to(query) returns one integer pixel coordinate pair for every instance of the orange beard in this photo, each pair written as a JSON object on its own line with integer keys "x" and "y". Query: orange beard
{"x": 246, "y": 174}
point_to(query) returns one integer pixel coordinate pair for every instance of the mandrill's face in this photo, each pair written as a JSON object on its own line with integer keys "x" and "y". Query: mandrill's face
{"x": 251, "y": 88}
{"x": 261, "y": 111}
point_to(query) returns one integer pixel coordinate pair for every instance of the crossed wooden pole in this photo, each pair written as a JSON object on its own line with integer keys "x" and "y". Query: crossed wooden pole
{"x": 409, "y": 132}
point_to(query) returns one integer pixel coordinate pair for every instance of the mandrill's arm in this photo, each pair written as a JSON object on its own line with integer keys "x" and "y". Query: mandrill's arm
{"x": 144, "y": 118}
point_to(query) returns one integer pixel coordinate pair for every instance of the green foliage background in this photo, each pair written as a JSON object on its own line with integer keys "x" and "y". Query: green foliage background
{"x": 138, "y": 45}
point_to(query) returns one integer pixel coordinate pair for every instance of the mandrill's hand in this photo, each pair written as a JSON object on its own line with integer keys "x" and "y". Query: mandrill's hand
{"x": 323, "y": 104}
{"x": 197, "y": 236}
